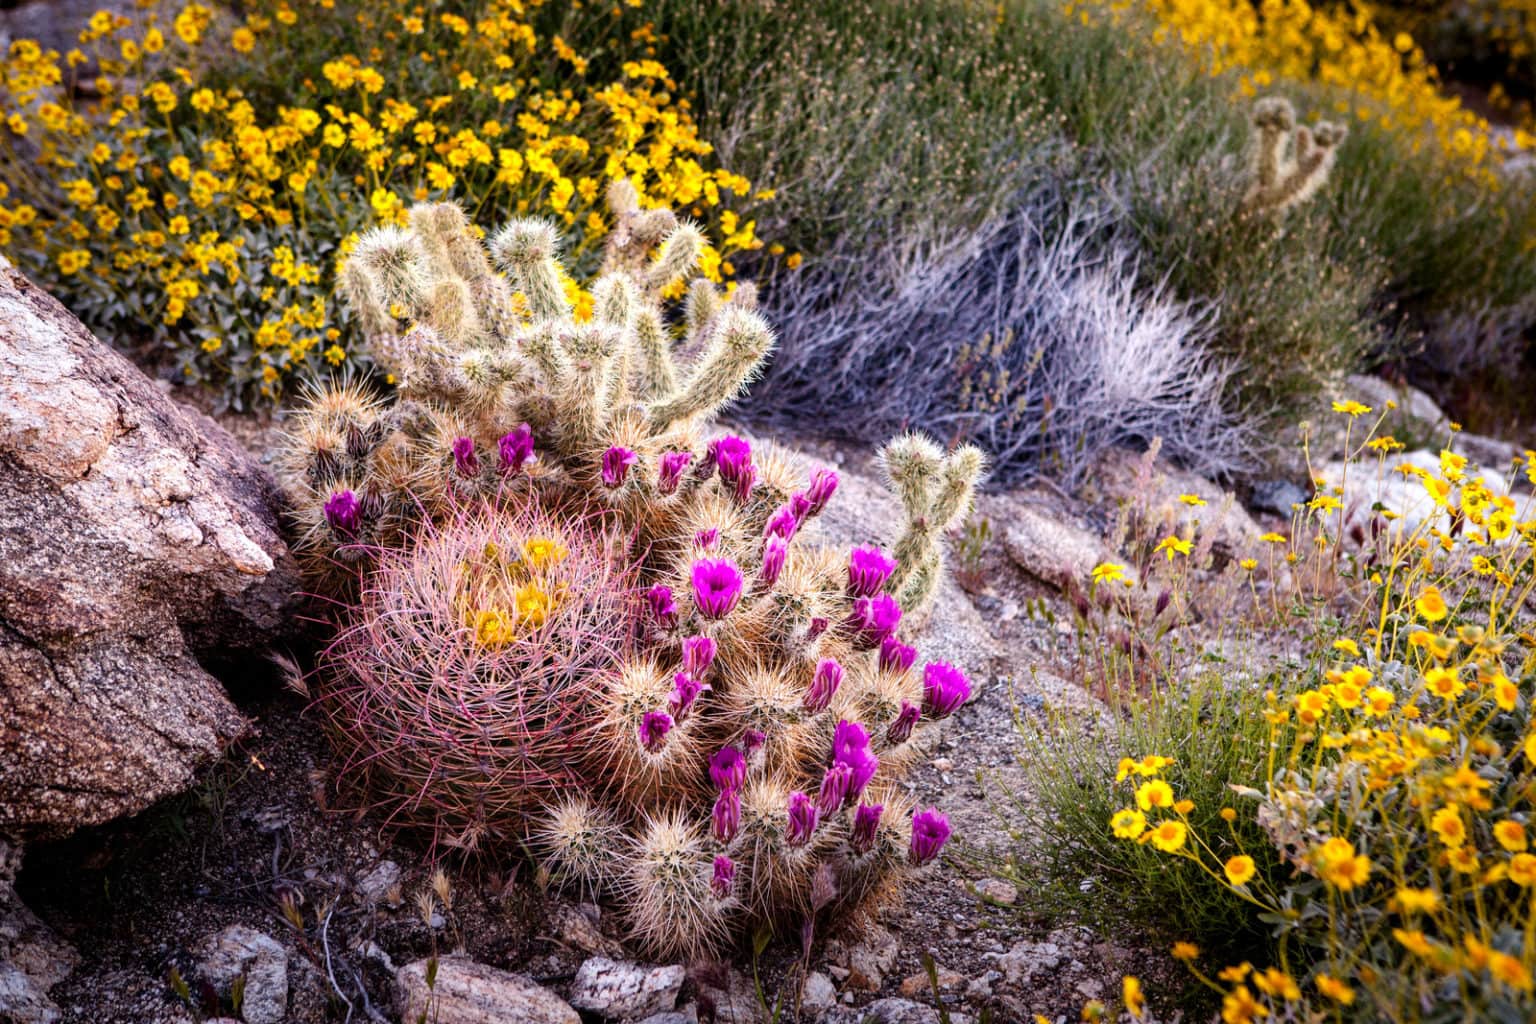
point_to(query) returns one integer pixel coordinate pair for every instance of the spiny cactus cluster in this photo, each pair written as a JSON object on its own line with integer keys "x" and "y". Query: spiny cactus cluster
{"x": 575, "y": 620}
{"x": 1290, "y": 162}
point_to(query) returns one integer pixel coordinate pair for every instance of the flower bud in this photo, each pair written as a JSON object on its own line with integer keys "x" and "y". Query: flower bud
{"x": 728, "y": 769}
{"x": 866, "y": 820}
{"x": 616, "y": 463}
{"x": 725, "y": 819}
{"x": 725, "y": 877}
{"x": 663, "y": 607}
{"x": 465, "y": 461}
{"x": 906, "y": 720}
{"x": 930, "y": 831}
{"x": 698, "y": 655}
{"x": 344, "y": 514}
{"x": 670, "y": 472}
{"x": 823, "y": 486}
{"x": 516, "y": 449}
{"x": 895, "y": 656}
{"x": 654, "y": 726}
{"x": 802, "y": 820}
{"x": 775, "y": 553}
{"x": 829, "y": 676}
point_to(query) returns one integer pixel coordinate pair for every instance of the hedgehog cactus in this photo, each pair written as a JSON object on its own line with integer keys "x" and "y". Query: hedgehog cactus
{"x": 574, "y": 619}
{"x": 1290, "y": 162}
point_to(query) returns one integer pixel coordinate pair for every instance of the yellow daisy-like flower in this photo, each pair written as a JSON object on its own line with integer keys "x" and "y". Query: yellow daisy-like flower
{"x": 1348, "y": 646}
{"x": 1155, "y": 793}
{"x": 1351, "y": 408}
{"x": 1110, "y": 572}
{"x": 1509, "y": 970}
{"x": 1185, "y": 951}
{"x": 1128, "y": 824}
{"x": 1239, "y": 869}
{"x": 1510, "y": 835}
{"x": 1192, "y": 500}
{"x": 1333, "y": 988}
{"x": 1169, "y": 836}
{"x": 1416, "y": 901}
{"x": 1444, "y": 683}
{"x": 1413, "y": 941}
{"x": 1273, "y": 538}
{"x": 1172, "y": 545}
{"x": 1448, "y": 825}
{"x": 1131, "y": 994}
{"x": 1430, "y": 605}
{"x": 1522, "y": 869}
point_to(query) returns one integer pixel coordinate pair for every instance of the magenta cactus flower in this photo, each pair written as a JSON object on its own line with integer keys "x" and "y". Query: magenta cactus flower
{"x": 752, "y": 740}
{"x": 906, "y": 721}
{"x": 716, "y": 587}
{"x": 783, "y": 523}
{"x": 725, "y": 819}
{"x": 706, "y": 537}
{"x": 874, "y": 619}
{"x": 866, "y": 820}
{"x": 742, "y": 485}
{"x": 685, "y": 690}
{"x": 930, "y": 831}
{"x": 663, "y": 607}
{"x": 698, "y": 655}
{"x": 834, "y": 789}
{"x": 802, "y": 820}
{"x": 775, "y": 554}
{"x": 654, "y": 726}
{"x": 828, "y": 677}
{"x": 670, "y": 472}
{"x": 823, "y": 486}
{"x": 868, "y": 569}
{"x": 731, "y": 455}
{"x": 817, "y": 627}
{"x": 728, "y": 769}
{"x": 343, "y": 513}
{"x": 945, "y": 688}
{"x": 850, "y": 746}
{"x": 725, "y": 877}
{"x": 895, "y": 656}
{"x": 800, "y": 507}
{"x": 465, "y": 461}
{"x": 516, "y": 449}
{"x": 616, "y": 463}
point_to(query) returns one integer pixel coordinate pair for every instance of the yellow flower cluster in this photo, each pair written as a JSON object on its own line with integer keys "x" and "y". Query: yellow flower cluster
{"x": 505, "y": 595}
{"x": 1375, "y": 79}
{"x": 1400, "y": 774}
{"x": 177, "y": 202}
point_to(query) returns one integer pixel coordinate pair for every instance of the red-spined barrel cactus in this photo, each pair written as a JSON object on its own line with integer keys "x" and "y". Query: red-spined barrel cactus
{"x": 699, "y": 715}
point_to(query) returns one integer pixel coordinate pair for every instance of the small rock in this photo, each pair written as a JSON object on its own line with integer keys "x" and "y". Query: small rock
{"x": 817, "y": 993}
{"x": 465, "y": 992}
{"x": 980, "y": 988}
{"x": 1010, "y": 611}
{"x": 1051, "y": 549}
{"x": 239, "y": 951}
{"x": 1276, "y": 496}
{"x": 577, "y": 928}
{"x": 920, "y": 984}
{"x": 1026, "y": 959}
{"x": 870, "y": 959}
{"x": 618, "y": 989}
{"x": 735, "y": 1003}
{"x": 840, "y": 973}
{"x": 998, "y": 891}
{"x": 943, "y": 764}
{"x": 893, "y": 1011}
{"x": 381, "y": 885}
{"x": 687, "y": 1015}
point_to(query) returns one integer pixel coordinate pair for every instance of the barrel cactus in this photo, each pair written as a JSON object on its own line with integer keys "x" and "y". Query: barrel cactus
{"x": 576, "y": 618}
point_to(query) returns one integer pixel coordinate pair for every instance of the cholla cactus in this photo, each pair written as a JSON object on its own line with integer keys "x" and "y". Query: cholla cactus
{"x": 1289, "y": 162}
{"x": 717, "y": 750}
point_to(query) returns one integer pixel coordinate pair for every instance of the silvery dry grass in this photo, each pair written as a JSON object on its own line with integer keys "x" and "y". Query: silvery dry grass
{"x": 1030, "y": 334}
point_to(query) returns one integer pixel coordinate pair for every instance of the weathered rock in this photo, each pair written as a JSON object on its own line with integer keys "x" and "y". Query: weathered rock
{"x": 730, "y": 999}
{"x": 892, "y": 1011}
{"x": 465, "y": 992}
{"x": 621, "y": 990}
{"x": 998, "y": 891}
{"x": 817, "y": 993}
{"x": 1049, "y": 547}
{"x": 687, "y": 1015}
{"x": 1026, "y": 959}
{"x": 134, "y": 535}
{"x": 919, "y": 984}
{"x": 380, "y": 885}
{"x": 32, "y": 958}
{"x": 243, "y": 952}
{"x": 578, "y": 927}
{"x": 869, "y": 960}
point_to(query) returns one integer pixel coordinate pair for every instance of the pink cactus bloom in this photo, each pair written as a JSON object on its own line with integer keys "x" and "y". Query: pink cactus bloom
{"x": 945, "y": 688}
{"x": 716, "y": 587}
{"x": 828, "y": 677}
{"x": 616, "y": 463}
{"x": 802, "y": 820}
{"x": 516, "y": 449}
{"x": 930, "y": 831}
{"x": 654, "y": 726}
{"x": 866, "y": 820}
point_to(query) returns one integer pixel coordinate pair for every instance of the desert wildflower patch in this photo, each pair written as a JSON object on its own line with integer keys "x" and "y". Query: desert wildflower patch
{"x": 203, "y": 178}
{"x": 1383, "y": 828}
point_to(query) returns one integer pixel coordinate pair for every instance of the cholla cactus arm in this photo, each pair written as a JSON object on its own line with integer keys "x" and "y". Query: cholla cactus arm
{"x": 541, "y": 344}
{"x": 701, "y": 305}
{"x": 659, "y": 376}
{"x": 372, "y": 313}
{"x": 737, "y": 349}
{"x": 677, "y": 258}
{"x": 1290, "y": 163}
{"x": 614, "y": 301}
{"x": 451, "y": 312}
{"x": 462, "y": 249}
{"x": 525, "y": 249}
{"x": 922, "y": 582}
{"x": 589, "y": 351}
{"x": 393, "y": 261}
{"x": 913, "y": 465}
{"x": 958, "y": 477}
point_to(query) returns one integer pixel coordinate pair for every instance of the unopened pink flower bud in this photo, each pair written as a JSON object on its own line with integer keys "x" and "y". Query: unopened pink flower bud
{"x": 616, "y": 463}
{"x": 802, "y": 820}
{"x": 828, "y": 677}
{"x": 775, "y": 553}
{"x": 906, "y": 720}
{"x": 654, "y": 726}
{"x": 670, "y": 471}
